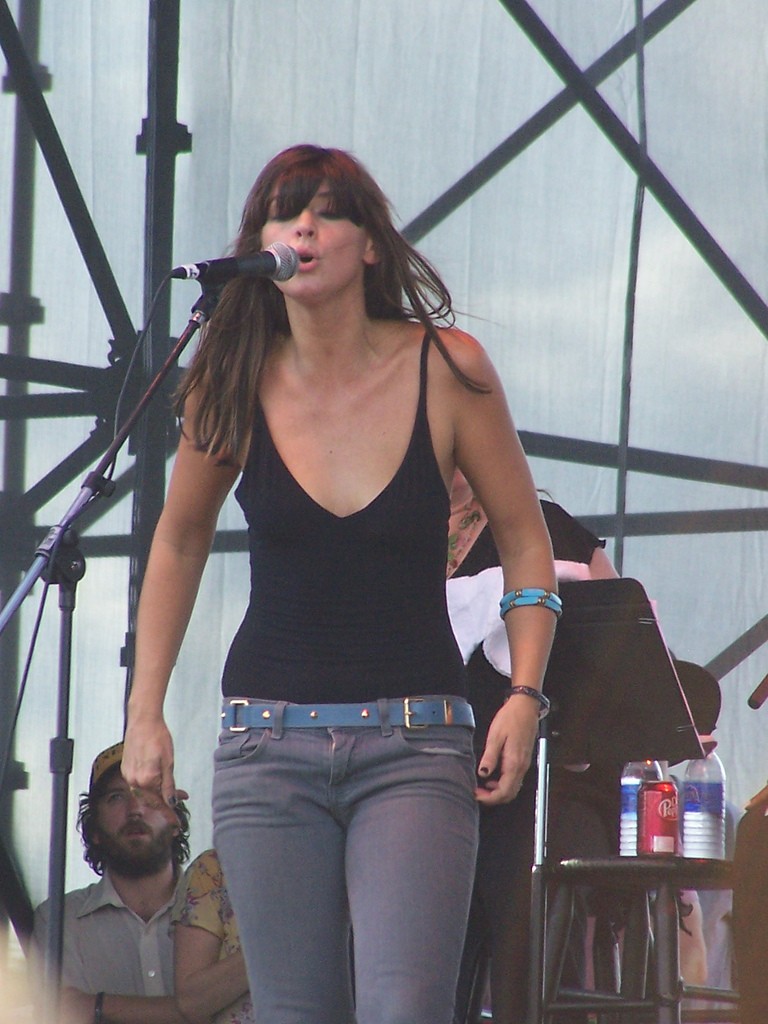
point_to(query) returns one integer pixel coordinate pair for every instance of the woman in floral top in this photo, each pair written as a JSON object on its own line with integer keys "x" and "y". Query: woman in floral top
{"x": 211, "y": 983}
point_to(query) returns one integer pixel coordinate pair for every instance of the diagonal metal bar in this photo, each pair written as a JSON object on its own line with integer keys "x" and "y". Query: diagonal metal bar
{"x": 622, "y": 139}
{"x": 65, "y": 182}
{"x": 646, "y": 460}
{"x": 65, "y": 472}
{"x": 740, "y": 649}
{"x": 538, "y": 124}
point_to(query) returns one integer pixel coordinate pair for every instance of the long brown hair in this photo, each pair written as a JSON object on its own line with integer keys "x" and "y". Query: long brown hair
{"x": 251, "y": 316}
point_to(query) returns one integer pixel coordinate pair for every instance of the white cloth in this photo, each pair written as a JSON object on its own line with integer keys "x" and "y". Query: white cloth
{"x": 473, "y": 608}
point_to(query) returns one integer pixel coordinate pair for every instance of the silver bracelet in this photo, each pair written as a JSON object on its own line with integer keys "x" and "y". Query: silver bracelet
{"x": 529, "y": 691}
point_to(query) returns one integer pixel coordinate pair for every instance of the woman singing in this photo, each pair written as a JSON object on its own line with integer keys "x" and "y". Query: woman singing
{"x": 345, "y": 792}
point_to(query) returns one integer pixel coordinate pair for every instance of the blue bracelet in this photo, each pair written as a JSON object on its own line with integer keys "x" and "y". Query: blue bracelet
{"x": 531, "y": 596}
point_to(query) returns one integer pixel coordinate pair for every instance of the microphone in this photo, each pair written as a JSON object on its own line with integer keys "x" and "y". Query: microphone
{"x": 758, "y": 697}
{"x": 278, "y": 262}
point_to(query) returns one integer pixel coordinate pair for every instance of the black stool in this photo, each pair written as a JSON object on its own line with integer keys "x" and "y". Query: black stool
{"x": 615, "y": 698}
{"x": 650, "y": 987}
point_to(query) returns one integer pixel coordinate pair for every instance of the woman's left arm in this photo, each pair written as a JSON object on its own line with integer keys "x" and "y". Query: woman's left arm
{"x": 488, "y": 451}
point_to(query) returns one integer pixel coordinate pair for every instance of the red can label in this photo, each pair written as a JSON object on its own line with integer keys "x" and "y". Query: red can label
{"x": 657, "y": 818}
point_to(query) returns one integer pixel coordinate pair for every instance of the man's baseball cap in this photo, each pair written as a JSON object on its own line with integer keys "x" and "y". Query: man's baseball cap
{"x": 106, "y": 759}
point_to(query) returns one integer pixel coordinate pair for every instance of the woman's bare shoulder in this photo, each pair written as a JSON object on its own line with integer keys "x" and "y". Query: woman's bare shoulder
{"x": 461, "y": 348}
{"x": 469, "y": 355}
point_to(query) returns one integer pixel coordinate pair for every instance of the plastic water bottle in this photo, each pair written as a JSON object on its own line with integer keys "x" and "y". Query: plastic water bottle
{"x": 704, "y": 808}
{"x": 632, "y": 775}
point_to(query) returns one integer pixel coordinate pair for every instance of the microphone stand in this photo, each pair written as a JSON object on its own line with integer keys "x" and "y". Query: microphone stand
{"x": 59, "y": 557}
{"x": 66, "y": 570}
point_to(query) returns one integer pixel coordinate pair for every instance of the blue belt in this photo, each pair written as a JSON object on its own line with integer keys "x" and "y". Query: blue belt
{"x": 239, "y": 714}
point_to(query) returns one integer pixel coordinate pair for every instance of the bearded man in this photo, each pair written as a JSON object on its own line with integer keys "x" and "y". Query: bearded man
{"x": 117, "y": 959}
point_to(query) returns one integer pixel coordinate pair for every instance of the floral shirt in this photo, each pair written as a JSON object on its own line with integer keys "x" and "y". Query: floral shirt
{"x": 203, "y": 902}
{"x": 464, "y": 527}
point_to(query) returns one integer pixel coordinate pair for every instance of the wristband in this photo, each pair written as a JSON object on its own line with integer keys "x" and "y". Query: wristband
{"x": 529, "y": 691}
{"x": 531, "y": 596}
{"x": 98, "y": 1009}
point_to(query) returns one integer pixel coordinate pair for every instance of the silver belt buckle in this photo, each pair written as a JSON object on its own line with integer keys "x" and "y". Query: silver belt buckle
{"x": 235, "y": 704}
{"x": 408, "y": 713}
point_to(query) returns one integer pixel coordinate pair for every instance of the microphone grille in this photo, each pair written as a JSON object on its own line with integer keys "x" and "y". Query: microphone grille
{"x": 287, "y": 261}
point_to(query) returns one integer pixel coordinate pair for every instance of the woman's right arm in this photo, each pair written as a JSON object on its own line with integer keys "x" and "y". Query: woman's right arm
{"x": 180, "y": 547}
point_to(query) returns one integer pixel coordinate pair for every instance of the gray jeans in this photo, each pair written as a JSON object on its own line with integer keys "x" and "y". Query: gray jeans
{"x": 320, "y": 830}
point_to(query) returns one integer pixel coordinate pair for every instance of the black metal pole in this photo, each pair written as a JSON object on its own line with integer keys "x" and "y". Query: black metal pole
{"x": 19, "y": 310}
{"x": 66, "y": 569}
{"x": 162, "y": 139}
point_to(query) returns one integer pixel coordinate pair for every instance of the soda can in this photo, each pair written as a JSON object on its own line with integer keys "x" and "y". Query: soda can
{"x": 657, "y": 819}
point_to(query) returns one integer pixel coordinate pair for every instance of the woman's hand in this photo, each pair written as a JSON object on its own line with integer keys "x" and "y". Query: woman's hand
{"x": 148, "y": 758}
{"x": 508, "y": 750}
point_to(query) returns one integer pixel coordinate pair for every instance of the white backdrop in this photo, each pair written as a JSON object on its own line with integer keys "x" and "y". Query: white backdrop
{"x": 537, "y": 261}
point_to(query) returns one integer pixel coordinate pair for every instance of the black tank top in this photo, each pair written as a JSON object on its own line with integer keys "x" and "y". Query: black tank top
{"x": 347, "y": 608}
